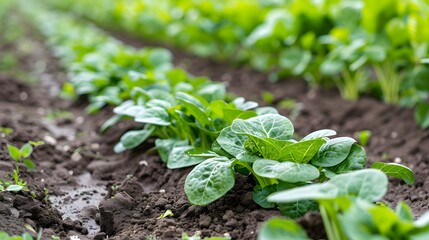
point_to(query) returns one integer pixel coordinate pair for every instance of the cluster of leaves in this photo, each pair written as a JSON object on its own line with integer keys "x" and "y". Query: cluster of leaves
{"x": 263, "y": 146}
{"x": 348, "y": 212}
{"x": 360, "y": 46}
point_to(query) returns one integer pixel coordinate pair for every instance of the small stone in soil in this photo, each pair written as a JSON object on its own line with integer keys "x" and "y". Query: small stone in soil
{"x": 161, "y": 202}
{"x": 231, "y": 223}
{"x": 228, "y": 214}
{"x": 50, "y": 140}
{"x": 205, "y": 221}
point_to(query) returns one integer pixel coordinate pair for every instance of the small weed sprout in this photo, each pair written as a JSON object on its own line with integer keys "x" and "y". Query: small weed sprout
{"x": 363, "y": 137}
{"x": 20, "y": 156}
{"x": 167, "y": 213}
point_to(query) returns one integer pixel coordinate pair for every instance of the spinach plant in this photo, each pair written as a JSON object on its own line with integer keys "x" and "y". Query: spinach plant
{"x": 348, "y": 212}
{"x": 20, "y": 156}
{"x": 263, "y": 146}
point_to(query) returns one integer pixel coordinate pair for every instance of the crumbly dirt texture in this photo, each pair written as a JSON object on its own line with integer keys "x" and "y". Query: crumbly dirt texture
{"x": 95, "y": 194}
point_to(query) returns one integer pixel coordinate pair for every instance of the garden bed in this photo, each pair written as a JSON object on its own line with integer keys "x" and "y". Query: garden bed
{"x": 126, "y": 193}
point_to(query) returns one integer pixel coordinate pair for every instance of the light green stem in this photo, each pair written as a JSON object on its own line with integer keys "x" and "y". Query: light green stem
{"x": 331, "y": 222}
{"x": 389, "y": 80}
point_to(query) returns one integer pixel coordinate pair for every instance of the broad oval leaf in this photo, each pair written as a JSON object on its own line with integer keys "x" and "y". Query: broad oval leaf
{"x": 127, "y": 108}
{"x": 356, "y": 160}
{"x": 164, "y": 146}
{"x": 159, "y": 103}
{"x": 154, "y": 115}
{"x": 29, "y": 164}
{"x": 14, "y": 152}
{"x": 260, "y": 195}
{"x": 395, "y": 170}
{"x": 179, "y": 159}
{"x": 26, "y": 150}
{"x": 209, "y": 181}
{"x": 133, "y": 138}
{"x": 368, "y": 184}
{"x": 298, "y": 208}
{"x": 319, "y": 134}
{"x": 265, "y": 126}
{"x": 333, "y": 152}
{"x": 201, "y": 152}
{"x": 301, "y": 152}
{"x": 285, "y": 171}
{"x": 280, "y": 229}
{"x": 317, "y": 191}
{"x": 231, "y": 142}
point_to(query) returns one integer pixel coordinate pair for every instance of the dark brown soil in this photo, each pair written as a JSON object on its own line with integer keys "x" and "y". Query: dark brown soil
{"x": 126, "y": 193}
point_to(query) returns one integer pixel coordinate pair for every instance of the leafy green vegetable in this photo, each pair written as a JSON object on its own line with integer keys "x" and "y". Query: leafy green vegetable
{"x": 134, "y": 138}
{"x": 209, "y": 180}
{"x": 285, "y": 171}
{"x": 271, "y": 126}
{"x": 395, "y": 170}
{"x": 263, "y": 147}
{"x": 333, "y": 152}
{"x": 179, "y": 159}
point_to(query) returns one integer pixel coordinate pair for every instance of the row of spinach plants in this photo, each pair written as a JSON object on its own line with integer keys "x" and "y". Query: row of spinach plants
{"x": 360, "y": 46}
{"x": 194, "y": 123}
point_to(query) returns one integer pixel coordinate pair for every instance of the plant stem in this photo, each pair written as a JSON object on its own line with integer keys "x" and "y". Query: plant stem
{"x": 352, "y": 82}
{"x": 390, "y": 81}
{"x": 330, "y": 221}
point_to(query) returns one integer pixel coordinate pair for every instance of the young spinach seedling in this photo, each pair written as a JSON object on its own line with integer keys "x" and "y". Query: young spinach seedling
{"x": 21, "y": 155}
